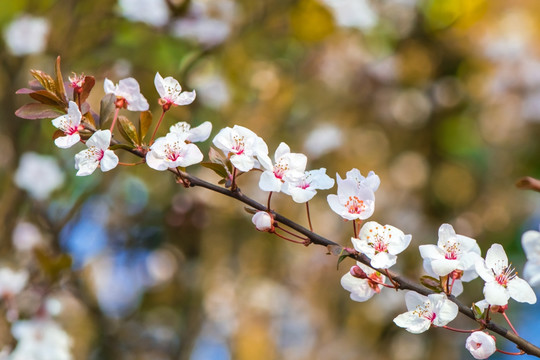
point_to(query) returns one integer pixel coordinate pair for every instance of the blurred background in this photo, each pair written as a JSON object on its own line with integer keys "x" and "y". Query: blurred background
{"x": 441, "y": 98}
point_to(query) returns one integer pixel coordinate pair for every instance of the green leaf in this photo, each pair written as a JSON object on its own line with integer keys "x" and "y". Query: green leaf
{"x": 35, "y": 111}
{"x": 59, "y": 83}
{"x": 431, "y": 283}
{"x": 478, "y": 313}
{"x": 251, "y": 211}
{"x": 53, "y": 266}
{"x": 145, "y": 121}
{"x": 128, "y": 130}
{"x": 107, "y": 108}
{"x": 217, "y": 168}
{"x": 122, "y": 146}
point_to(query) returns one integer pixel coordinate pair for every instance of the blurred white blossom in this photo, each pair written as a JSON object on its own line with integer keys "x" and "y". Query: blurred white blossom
{"x": 39, "y": 175}
{"x": 151, "y": 12}
{"x": 212, "y": 90}
{"x": 12, "y": 282}
{"x": 40, "y": 339}
{"x": 26, "y": 236}
{"x": 27, "y": 35}
{"x": 323, "y": 139}
{"x": 352, "y": 13}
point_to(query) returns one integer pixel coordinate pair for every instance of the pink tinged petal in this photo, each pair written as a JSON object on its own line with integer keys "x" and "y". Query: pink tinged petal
{"x": 262, "y": 221}
{"x": 185, "y": 98}
{"x": 496, "y": 258}
{"x": 268, "y": 182}
{"x": 480, "y": 345}
{"x": 155, "y": 161}
{"x": 68, "y": 141}
{"x": 383, "y": 260}
{"x": 100, "y": 139}
{"x": 191, "y": 155}
{"x": 158, "y": 82}
{"x": 109, "y": 161}
{"x": 412, "y": 322}
{"x": 74, "y": 114}
{"x": 531, "y": 244}
{"x": 521, "y": 291}
{"x": 200, "y": 133}
{"x": 531, "y": 272}
{"x": 109, "y": 86}
{"x": 495, "y": 293}
{"x": 301, "y": 196}
{"x": 243, "y": 162}
{"x": 359, "y": 288}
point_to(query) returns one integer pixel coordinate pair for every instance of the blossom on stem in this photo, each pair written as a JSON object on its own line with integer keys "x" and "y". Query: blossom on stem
{"x": 371, "y": 181}
{"x": 531, "y": 245}
{"x": 196, "y": 134}
{"x": 481, "y": 345}
{"x": 171, "y": 151}
{"x": 40, "y": 339}
{"x": 128, "y": 92}
{"x": 244, "y": 148}
{"x": 501, "y": 282}
{"x": 424, "y": 311}
{"x": 263, "y": 221}
{"x": 288, "y": 167}
{"x": 12, "y": 282}
{"x": 381, "y": 243}
{"x": 305, "y": 188}
{"x": 70, "y": 124}
{"x": 362, "y": 282}
{"x": 97, "y": 154}
{"x": 452, "y": 252}
{"x": 352, "y": 201}
{"x": 171, "y": 93}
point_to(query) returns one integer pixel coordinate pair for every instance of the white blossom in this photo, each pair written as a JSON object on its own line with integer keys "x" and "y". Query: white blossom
{"x": 97, "y": 154}
{"x": 531, "y": 245}
{"x": 129, "y": 90}
{"x": 27, "y": 35}
{"x": 12, "y": 282}
{"x": 40, "y": 339}
{"x": 353, "y": 13}
{"x": 305, "y": 188}
{"x": 172, "y": 151}
{"x": 170, "y": 91}
{"x": 263, "y": 221}
{"x": 381, "y": 243}
{"x": 151, "y": 12}
{"x": 362, "y": 282}
{"x": 424, "y": 311}
{"x": 371, "y": 181}
{"x": 288, "y": 167}
{"x": 39, "y": 175}
{"x": 243, "y": 146}
{"x": 196, "y": 134}
{"x": 452, "y": 252}
{"x": 70, "y": 124}
{"x": 501, "y": 282}
{"x": 323, "y": 139}
{"x": 352, "y": 201}
{"x": 481, "y": 345}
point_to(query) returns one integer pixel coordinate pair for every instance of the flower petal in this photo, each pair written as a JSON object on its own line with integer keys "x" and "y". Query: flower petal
{"x": 100, "y": 139}
{"x": 109, "y": 161}
{"x": 496, "y": 258}
{"x": 521, "y": 291}
{"x": 412, "y": 323}
{"x": 268, "y": 182}
{"x": 531, "y": 244}
{"x": 495, "y": 293}
{"x": 67, "y": 141}
{"x": 200, "y": 133}
{"x": 531, "y": 273}
{"x": 185, "y": 98}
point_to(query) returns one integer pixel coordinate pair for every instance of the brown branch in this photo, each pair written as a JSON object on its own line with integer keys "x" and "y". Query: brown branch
{"x": 528, "y": 183}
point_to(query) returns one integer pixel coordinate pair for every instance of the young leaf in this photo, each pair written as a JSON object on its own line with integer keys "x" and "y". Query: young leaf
{"x": 431, "y": 283}
{"x": 89, "y": 118}
{"x": 35, "y": 111}
{"x": 107, "y": 108}
{"x": 48, "y": 98}
{"x": 144, "y": 124}
{"x": 89, "y": 82}
{"x": 122, "y": 146}
{"x": 217, "y": 168}
{"x": 59, "y": 83}
{"x": 44, "y": 79}
{"x": 128, "y": 130}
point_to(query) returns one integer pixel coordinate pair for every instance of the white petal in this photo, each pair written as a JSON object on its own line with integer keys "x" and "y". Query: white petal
{"x": 223, "y": 140}
{"x": 268, "y": 182}
{"x": 480, "y": 345}
{"x": 397, "y": 240}
{"x": 243, "y": 162}
{"x": 485, "y": 273}
{"x": 531, "y": 244}
{"x": 319, "y": 179}
{"x": 445, "y": 310}
{"x": 85, "y": 165}
{"x": 412, "y": 322}
{"x": 333, "y": 201}
{"x": 300, "y": 195}
{"x": 185, "y": 98}
{"x": 446, "y": 232}
{"x": 74, "y": 114}
{"x": 457, "y": 288}
{"x": 443, "y": 266}
{"x": 359, "y": 288}
{"x": 413, "y": 299}
{"x": 383, "y": 260}
{"x": 495, "y": 293}
{"x": 191, "y": 155}
{"x": 521, "y": 291}
{"x": 109, "y": 86}
{"x": 496, "y": 258}
{"x": 67, "y": 141}
{"x": 109, "y": 160}
{"x": 200, "y": 133}
{"x": 100, "y": 139}
{"x": 372, "y": 181}
{"x": 431, "y": 252}
{"x": 138, "y": 103}
{"x": 281, "y": 150}
{"x": 155, "y": 161}
{"x": 531, "y": 273}
{"x": 158, "y": 82}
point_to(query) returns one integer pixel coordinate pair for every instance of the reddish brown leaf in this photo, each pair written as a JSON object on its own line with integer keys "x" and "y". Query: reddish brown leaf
{"x": 35, "y": 111}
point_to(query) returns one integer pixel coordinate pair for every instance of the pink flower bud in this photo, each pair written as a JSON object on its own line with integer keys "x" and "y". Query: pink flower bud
{"x": 357, "y": 272}
{"x": 481, "y": 345}
{"x": 263, "y": 221}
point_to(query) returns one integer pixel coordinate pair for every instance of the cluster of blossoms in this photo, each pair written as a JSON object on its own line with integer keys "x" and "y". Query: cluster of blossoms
{"x": 453, "y": 260}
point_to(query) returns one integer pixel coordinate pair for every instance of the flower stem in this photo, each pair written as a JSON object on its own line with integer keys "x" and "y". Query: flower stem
{"x": 157, "y": 126}
{"x": 509, "y": 323}
{"x": 115, "y": 118}
{"x": 308, "y": 216}
{"x": 510, "y": 353}
{"x": 396, "y": 285}
{"x": 459, "y": 330}
{"x": 290, "y": 233}
{"x": 355, "y": 232}
{"x": 269, "y": 198}
{"x": 288, "y": 239}
{"x": 233, "y": 182}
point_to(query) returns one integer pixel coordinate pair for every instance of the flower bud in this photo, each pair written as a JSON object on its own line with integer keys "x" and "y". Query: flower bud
{"x": 263, "y": 221}
{"x": 481, "y": 345}
{"x": 357, "y": 272}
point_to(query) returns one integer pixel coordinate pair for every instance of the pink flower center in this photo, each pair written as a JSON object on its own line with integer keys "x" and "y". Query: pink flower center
{"x": 238, "y": 145}
{"x": 173, "y": 151}
{"x": 505, "y": 276}
{"x": 452, "y": 252}
{"x": 280, "y": 169}
{"x": 425, "y": 311}
{"x": 354, "y": 205}
{"x": 477, "y": 346}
